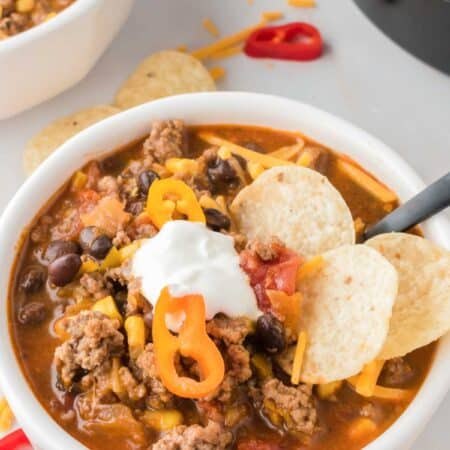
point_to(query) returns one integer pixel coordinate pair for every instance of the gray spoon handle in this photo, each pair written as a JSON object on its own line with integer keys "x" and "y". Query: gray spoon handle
{"x": 430, "y": 201}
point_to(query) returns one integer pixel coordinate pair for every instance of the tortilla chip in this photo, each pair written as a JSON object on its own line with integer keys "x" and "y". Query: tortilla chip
{"x": 346, "y": 309}
{"x": 421, "y": 312}
{"x": 299, "y": 206}
{"x": 164, "y": 74}
{"x": 56, "y": 133}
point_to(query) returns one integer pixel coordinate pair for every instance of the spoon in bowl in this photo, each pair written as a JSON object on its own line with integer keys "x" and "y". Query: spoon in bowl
{"x": 425, "y": 204}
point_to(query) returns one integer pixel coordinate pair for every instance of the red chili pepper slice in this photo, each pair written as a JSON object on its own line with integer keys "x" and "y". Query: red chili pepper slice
{"x": 15, "y": 441}
{"x": 297, "y": 41}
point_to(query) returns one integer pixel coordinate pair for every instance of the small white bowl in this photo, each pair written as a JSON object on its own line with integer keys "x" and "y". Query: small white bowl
{"x": 53, "y": 56}
{"x": 230, "y": 107}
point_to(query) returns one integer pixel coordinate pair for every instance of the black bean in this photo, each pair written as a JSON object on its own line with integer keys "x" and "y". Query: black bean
{"x": 32, "y": 280}
{"x": 59, "y": 248}
{"x": 270, "y": 333}
{"x": 32, "y": 313}
{"x": 145, "y": 180}
{"x": 64, "y": 269}
{"x": 87, "y": 237}
{"x": 216, "y": 220}
{"x": 221, "y": 171}
{"x": 100, "y": 246}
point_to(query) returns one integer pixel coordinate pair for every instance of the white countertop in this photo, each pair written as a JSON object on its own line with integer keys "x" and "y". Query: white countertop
{"x": 363, "y": 77}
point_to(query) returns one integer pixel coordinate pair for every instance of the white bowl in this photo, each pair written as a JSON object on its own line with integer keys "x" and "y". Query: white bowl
{"x": 231, "y": 107}
{"x": 53, "y": 56}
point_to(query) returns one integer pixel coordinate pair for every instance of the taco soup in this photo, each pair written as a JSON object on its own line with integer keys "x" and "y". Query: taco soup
{"x": 209, "y": 288}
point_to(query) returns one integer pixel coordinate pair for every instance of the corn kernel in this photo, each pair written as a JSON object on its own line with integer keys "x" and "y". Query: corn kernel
{"x": 255, "y": 169}
{"x": 112, "y": 259}
{"x": 182, "y": 166}
{"x": 89, "y": 266}
{"x": 24, "y": 6}
{"x": 162, "y": 420}
{"x": 328, "y": 389}
{"x": 108, "y": 307}
{"x": 207, "y": 202}
{"x": 263, "y": 365}
{"x": 224, "y": 153}
{"x": 128, "y": 251}
{"x": 135, "y": 328}
{"x": 59, "y": 329}
{"x": 360, "y": 427}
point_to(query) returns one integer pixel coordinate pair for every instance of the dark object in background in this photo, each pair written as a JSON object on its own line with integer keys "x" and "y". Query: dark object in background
{"x": 422, "y": 27}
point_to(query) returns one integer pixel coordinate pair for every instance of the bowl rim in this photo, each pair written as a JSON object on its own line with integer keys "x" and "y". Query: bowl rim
{"x": 70, "y": 13}
{"x": 31, "y": 414}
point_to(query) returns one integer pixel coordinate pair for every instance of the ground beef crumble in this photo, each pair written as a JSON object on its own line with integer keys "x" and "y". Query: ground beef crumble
{"x": 94, "y": 339}
{"x": 145, "y": 370}
{"x": 166, "y": 140}
{"x": 195, "y": 437}
{"x": 396, "y": 372}
{"x": 294, "y": 402}
{"x": 266, "y": 251}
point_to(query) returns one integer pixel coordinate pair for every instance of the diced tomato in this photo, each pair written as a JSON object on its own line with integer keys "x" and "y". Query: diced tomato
{"x": 86, "y": 200}
{"x": 257, "y": 444}
{"x": 279, "y": 274}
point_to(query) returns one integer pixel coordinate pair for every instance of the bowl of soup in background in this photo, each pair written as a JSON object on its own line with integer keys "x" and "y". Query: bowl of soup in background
{"x": 205, "y": 108}
{"x": 49, "y": 58}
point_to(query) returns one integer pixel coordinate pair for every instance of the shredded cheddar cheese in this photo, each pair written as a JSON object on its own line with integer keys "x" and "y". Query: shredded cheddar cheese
{"x": 182, "y": 48}
{"x": 302, "y": 3}
{"x": 304, "y": 159}
{"x": 222, "y": 204}
{"x": 266, "y": 160}
{"x": 227, "y": 52}
{"x": 287, "y": 152}
{"x": 6, "y": 415}
{"x": 310, "y": 267}
{"x": 366, "y": 182}
{"x": 359, "y": 225}
{"x": 272, "y": 15}
{"x": 225, "y": 42}
{"x": 391, "y": 393}
{"x": 217, "y": 72}
{"x": 367, "y": 380}
{"x": 210, "y": 27}
{"x": 384, "y": 393}
{"x": 255, "y": 169}
{"x": 298, "y": 358}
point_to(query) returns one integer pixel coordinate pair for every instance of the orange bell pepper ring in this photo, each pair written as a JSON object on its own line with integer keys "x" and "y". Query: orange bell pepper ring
{"x": 192, "y": 341}
{"x": 167, "y": 196}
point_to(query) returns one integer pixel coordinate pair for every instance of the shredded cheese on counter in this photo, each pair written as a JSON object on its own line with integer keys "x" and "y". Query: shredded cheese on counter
{"x": 272, "y": 15}
{"x": 227, "y": 52}
{"x": 225, "y": 42}
{"x": 302, "y": 3}
{"x": 210, "y": 27}
{"x": 217, "y": 72}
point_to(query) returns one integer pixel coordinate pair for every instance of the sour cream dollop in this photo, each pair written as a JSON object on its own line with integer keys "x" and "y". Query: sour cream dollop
{"x": 191, "y": 259}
